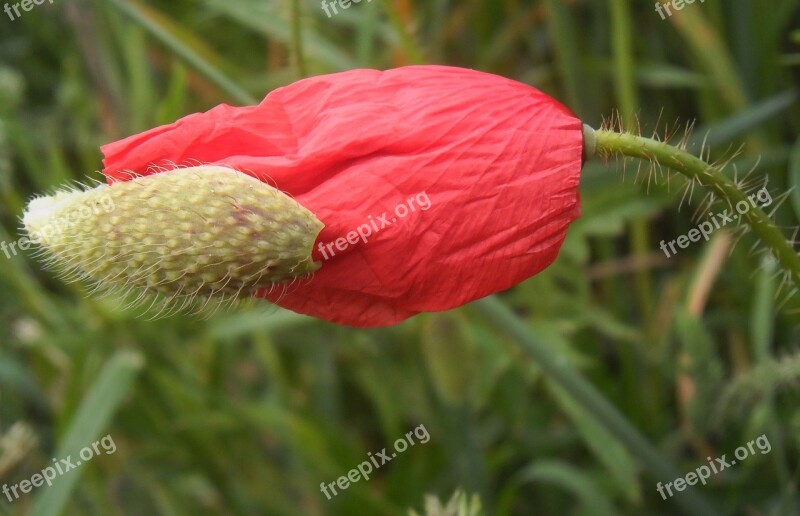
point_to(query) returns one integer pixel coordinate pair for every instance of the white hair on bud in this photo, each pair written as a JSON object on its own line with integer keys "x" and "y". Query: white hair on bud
{"x": 190, "y": 237}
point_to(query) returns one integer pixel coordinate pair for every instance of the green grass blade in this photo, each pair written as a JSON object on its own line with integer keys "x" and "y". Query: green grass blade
{"x": 742, "y": 122}
{"x": 100, "y": 403}
{"x": 591, "y": 401}
{"x": 140, "y": 16}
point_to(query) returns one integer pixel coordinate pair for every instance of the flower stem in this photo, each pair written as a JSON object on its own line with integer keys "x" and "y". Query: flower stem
{"x": 607, "y": 143}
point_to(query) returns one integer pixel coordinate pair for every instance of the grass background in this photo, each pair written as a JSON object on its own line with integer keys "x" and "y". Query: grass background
{"x": 247, "y": 412}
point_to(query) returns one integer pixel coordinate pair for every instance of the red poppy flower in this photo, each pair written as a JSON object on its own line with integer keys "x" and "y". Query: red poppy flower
{"x": 437, "y": 185}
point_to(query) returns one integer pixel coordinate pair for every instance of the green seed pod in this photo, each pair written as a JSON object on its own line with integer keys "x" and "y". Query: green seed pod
{"x": 205, "y": 231}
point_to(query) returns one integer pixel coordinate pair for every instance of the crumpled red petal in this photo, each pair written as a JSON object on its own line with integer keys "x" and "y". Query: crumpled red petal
{"x": 498, "y": 160}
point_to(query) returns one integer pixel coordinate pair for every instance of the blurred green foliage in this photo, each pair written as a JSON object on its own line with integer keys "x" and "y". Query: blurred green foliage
{"x": 249, "y": 411}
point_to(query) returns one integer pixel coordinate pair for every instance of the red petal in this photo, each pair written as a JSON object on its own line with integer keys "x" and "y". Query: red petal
{"x": 498, "y": 160}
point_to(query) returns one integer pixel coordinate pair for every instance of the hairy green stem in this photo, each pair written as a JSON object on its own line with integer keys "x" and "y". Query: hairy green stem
{"x": 610, "y": 142}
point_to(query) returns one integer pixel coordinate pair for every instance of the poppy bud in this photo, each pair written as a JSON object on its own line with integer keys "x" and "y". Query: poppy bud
{"x": 198, "y": 231}
{"x": 436, "y": 185}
